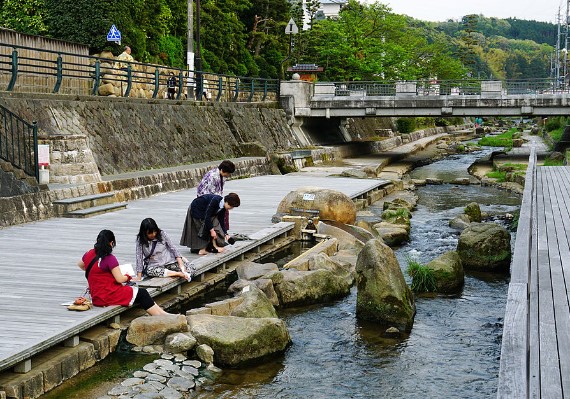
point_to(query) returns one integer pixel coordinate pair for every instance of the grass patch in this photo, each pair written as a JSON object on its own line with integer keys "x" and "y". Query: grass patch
{"x": 500, "y": 176}
{"x": 556, "y": 134}
{"x": 423, "y": 278}
{"x": 502, "y": 140}
{"x": 513, "y": 167}
{"x": 553, "y": 162}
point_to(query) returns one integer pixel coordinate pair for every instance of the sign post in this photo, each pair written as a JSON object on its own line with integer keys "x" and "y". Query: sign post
{"x": 114, "y": 35}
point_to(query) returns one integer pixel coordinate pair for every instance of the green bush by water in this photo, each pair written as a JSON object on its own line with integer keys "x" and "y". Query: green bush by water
{"x": 502, "y": 140}
{"x": 423, "y": 278}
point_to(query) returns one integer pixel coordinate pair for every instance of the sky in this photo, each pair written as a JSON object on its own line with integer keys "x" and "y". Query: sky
{"x": 442, "y": 10}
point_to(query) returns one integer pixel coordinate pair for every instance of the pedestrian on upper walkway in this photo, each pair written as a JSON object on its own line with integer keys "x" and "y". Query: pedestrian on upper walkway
{"x": 204, "y": 230}
{"x": 171, "y": 86}
{"x": 156, "y": 256}
{"x": 125, "y": 59}
{"x": 107, "y": 284}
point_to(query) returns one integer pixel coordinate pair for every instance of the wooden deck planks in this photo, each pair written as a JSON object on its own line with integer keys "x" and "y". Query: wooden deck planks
{"x": 38, "y": 269}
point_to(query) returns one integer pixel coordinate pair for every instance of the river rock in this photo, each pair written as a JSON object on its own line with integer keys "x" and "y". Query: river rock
{"x": 473, "y": 212}
{"x": 205, "y": 352}
{"x": 460, "y": 222}
{"x": 356, "y": 173}
{"x": 448, "y": 272}
{"x": 433, "y": 180}
{"x": 255, "y": 304}
{"x": 331, "y": 204}
{"x": 253, "y": 270}
{"x": 462, "y": 181}
{"x": 383, "y": 295}
{"x": 397, "y": 203}
{"x": 239, "y": 339}
{"x": 322, "y": 261}
{"x": 345, "y": 238}
{"x": 147, "y": 330}
{"x": 419, "y": 182}
{"x": 295, "y": 288}
{"x": 264, "y": 284}
{"x": 392, "y": 234}
{"x": 485, "y": 246}
{"x": 179, "y": 342}
{"x": 400, "y": 217}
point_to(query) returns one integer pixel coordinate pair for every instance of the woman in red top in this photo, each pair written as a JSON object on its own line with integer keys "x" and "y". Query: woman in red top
{"x": 106, "y": 282}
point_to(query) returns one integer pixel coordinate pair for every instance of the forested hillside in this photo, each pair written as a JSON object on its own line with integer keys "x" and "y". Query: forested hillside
{"x": 246, "y": 37}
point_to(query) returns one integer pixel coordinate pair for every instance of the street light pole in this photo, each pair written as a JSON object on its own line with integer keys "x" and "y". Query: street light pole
{"x": 190, "y": 50}
{"x": 197, "y": 59}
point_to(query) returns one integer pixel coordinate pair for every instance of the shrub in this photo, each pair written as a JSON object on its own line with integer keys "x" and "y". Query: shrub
{"x": 423, "y": 278}
{"x": 406, "y": 125}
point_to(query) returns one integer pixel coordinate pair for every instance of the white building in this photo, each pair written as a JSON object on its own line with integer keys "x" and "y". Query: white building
{"x": 328, "y": 9}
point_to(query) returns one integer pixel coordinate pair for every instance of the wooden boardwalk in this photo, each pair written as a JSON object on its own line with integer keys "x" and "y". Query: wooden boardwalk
{"x": 535, "y": 354}
{"x": 38, "y": 269}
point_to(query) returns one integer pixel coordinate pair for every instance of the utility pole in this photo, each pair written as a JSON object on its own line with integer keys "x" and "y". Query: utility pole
{"x": 566, "y": 45}
{"x": 190, "y": 51}
{"x": 557, "y": 55}
{"x": 197, "y": 59}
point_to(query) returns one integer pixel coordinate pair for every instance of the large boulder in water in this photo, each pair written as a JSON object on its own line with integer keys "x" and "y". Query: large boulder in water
{"x": 485, "y": 247}
{"x": 239, "y": 339}
{"x": 331, "y": 204}
{"x": 295, "y": 288}
{"x": 473, "y": 212}
{"x": 152, "y": 330}
{"x": 448, "y": 273}
{"x": 383, "y": 295}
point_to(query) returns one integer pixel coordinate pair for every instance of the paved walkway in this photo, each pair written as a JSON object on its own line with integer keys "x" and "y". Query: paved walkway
{"x": 38, "y": 269}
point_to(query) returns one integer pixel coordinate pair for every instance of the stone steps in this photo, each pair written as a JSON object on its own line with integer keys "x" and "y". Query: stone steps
{"x": 88, "y": 205}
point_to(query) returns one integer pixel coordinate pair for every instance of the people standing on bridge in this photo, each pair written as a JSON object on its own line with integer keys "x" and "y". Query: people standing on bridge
{"x": 204, "y": 230}
{"x": 156, "y": 256}
{"x": 124, "y": 59}
{"x": 213, "y": 183}
{"x": 107, "y": 284}
{"x": 171, "y": 86}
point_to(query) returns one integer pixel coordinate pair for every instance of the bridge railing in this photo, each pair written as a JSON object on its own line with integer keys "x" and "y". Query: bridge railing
{"x": 32, "y": 70}
{"x": 463, "y": 87}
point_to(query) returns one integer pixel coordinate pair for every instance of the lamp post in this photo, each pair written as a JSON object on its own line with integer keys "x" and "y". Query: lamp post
{"x": 197, "y": 59}
{"x": 190, "y": 50}
{"x": 291, "y": 29}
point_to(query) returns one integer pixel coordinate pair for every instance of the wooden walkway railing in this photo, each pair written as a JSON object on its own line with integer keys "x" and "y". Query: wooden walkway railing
{"x": 535, "y": 353}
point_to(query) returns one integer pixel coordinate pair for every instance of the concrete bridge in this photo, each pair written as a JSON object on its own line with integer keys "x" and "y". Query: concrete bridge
{"x": 329, "y": 100}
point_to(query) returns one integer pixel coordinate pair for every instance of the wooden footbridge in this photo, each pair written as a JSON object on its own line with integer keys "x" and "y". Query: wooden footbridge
{"x": 535, "y": 354}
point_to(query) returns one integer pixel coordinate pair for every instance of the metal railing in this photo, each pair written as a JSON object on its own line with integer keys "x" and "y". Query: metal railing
{"x": 450, "y": 87}
{"x": 33, "y": 70}
{"x": 19, "y": 142}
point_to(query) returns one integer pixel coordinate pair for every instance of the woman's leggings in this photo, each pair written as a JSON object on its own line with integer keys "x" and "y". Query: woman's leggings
{"x": 143, "y": 298}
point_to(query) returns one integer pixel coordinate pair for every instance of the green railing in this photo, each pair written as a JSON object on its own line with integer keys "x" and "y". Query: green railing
{"x": 33, "y": 70}
{"x": 19, "y": 142}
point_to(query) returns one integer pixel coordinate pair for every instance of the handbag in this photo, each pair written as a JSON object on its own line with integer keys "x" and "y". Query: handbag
{"x": 146, "y": 259}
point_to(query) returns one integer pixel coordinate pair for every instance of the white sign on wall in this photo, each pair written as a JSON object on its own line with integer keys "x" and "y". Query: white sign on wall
{"x": 43, "y": 154}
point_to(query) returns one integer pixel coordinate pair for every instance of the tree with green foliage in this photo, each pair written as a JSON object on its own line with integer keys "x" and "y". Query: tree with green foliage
{"x": 23, "y": 16}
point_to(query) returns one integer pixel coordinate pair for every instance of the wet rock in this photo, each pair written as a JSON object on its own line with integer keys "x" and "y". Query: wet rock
{"x": 253, "y": 270}
{"x": 460, "y": 222}
{"x": 383, "y": 295}
{"x": 392, "y": 234}
{"x": 485, "y": 247}
{"x": 156, "y": 377}
{"x": 181, "y": 384}
{"x": 309, "y": 287}
{"x": 433, "y": 180}
{"x": 331, "y": 204}
{"x": 193, "y": 363}
{"x": 179, "y": 342}
{"x": 462, "y": 181}
{"x": 171, "y": 393}
{"x": 140, "y": 374}
{"x": 419, "y": 182}
{"x": 392, "y": 332}
{"x": 448, "y": 273}
{"x": 255, "y": 304}
{"x": 190, "y": 370}
{"x": 473, "y": 212}
{"x": 237, "y": 339}
{"x": 356, "y": 173}
{"x": 151, "y": 330}
{"x": 132, "y": 381}
{"x": 119, "y": 390}
{"x": 205, "y": 352}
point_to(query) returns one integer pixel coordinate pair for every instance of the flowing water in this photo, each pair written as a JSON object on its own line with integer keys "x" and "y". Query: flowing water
{"x": 452, "y": 351}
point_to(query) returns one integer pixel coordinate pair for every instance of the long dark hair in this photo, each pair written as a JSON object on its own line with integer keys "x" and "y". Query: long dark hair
{"x": 105, "y": 243}
{"x": 148, "y": 225}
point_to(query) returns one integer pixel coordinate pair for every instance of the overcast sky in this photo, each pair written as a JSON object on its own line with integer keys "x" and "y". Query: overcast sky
{"x": 442, "y": 10}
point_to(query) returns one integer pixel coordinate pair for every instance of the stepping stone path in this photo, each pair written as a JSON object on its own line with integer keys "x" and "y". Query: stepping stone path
{"x": 170, "y": 377}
